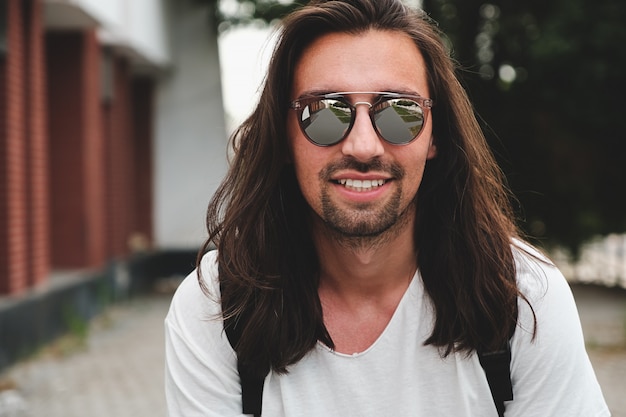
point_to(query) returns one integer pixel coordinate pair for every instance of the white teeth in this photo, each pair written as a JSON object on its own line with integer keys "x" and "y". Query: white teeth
{"x": 361, "y": 185}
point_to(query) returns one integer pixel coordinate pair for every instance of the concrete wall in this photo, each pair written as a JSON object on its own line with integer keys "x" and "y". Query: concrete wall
{"x": 190, "y": 129}
{"x": 136, "y": 25}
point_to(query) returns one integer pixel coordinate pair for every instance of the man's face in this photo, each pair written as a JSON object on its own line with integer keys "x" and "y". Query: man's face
{"x": 363, "y": 185}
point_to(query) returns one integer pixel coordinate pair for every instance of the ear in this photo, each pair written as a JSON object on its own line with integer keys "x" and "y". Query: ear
{"x": 432, "y": 149}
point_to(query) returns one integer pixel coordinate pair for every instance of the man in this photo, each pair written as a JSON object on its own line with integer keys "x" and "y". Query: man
{"x": 366, "y": 251}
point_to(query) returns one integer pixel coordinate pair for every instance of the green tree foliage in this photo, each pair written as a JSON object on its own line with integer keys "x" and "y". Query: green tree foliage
{"x": 547, "y": 78}
{"x": 242, "y": 12}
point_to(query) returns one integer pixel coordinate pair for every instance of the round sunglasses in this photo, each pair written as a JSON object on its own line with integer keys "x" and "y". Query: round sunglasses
{"x": 326, "y": 119}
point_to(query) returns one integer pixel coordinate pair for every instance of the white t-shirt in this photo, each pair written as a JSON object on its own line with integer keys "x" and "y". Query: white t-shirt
{"x": 397, "y": 375}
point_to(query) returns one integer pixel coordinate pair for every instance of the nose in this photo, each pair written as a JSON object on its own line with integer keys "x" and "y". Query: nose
{"x": 362, "y": 143}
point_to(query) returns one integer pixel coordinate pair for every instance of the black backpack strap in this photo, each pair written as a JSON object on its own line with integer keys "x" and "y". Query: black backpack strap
{"x": 251, "y": 391}
{"x": 498, "y": 371}
{"x": 251, "y": 382}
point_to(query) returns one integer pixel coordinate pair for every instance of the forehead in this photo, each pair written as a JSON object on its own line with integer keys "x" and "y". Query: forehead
{"x": 375, "y": 60}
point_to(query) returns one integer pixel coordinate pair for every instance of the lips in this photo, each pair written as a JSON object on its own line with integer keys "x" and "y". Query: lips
{"x": 361, "y": 177}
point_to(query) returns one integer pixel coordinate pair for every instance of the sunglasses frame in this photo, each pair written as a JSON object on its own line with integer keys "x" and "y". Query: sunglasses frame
{"x": 301, "y": 103}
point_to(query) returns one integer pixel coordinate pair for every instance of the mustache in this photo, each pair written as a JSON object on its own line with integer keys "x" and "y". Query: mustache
{"x": 349, "y": 163}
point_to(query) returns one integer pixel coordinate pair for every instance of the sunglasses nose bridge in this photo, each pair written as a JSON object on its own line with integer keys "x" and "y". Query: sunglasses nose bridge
{"x": 355, "y": 109}
{"x": 358, "y": 103}
{"x": 361, "y": 141}
{"x": 370, "y": 106}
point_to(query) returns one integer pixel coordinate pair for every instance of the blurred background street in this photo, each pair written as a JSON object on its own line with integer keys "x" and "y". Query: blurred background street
{"x": 118, "y": 369}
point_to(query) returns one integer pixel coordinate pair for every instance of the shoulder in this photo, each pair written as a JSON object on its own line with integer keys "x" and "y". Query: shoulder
{"x": 537, "y": 276}
{"x": 201, "y": 375}
{"x": 547, "y": 296}
{"x": 195, "y": 306}
{"x": 201, "y": 283}
{"x": 550, "y": 369}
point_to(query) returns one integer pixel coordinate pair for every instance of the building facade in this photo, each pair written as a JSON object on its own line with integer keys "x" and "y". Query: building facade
{"x": 112, "y": 134}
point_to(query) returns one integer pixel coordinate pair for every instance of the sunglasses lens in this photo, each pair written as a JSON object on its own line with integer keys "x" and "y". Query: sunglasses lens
{"x": 325, "y": 121}
{"x": 399, "y": 120}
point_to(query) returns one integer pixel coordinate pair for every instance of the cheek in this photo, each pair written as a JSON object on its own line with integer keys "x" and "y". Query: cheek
{"x": 306, "y": 157}
{"x": 414, "y": 164}
{"x": 432, "y": 149}
{"x": 304, "y": 161}
{"x": 307, "y": 176}
{"x": 306, "y": 165}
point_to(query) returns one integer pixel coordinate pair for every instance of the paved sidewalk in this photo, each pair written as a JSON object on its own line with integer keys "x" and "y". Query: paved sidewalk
{"x": 603, "y": 317}
{"x": 119, "y": 371}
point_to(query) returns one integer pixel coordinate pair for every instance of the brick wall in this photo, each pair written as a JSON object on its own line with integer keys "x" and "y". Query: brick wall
{"x": 23, "y": 194}
{"x": 142, "y": 116}
{"x": 75, "y": 160}
{"x": 119, "y": 151}
{"x": 76, "y": 150}
{"x": 37, "y": 144}
{"x": 94, "y": 140}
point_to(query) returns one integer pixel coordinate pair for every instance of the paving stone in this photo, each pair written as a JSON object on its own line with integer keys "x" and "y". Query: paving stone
{"x": 119, "y": 372}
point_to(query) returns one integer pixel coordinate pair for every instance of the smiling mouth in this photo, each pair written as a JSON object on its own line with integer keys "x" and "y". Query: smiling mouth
{"x": 361, "y": 185}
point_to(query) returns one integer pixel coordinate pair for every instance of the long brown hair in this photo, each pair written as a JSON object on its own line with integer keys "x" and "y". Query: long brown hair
{"x": 268, "y": 267}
